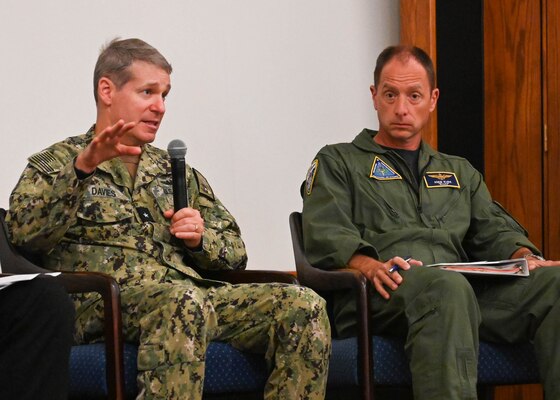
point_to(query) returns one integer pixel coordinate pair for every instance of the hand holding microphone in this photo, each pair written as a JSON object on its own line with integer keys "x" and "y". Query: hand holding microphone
{"x": 186, "y": 222}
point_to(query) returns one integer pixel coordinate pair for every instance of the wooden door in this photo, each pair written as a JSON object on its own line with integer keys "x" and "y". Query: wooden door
{"x": 513, "y": 110}
{"x": 551, "y": 87}
{"x": 418, "y": 28}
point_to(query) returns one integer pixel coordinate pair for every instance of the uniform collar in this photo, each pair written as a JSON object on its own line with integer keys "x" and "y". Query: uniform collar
{"x": 364, "y": 141}
{"x": 153, "y": 162}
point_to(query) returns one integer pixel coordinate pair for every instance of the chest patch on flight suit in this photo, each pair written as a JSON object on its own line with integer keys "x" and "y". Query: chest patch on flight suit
{"x": 381, "y": 171}
{"x": 310, "y": 177}
{"x": 441, "y": 179}
{"x": 203, "y": 185}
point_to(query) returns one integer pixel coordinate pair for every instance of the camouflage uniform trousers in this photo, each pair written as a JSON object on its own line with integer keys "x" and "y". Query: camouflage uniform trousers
{"x": 173, "y": 321}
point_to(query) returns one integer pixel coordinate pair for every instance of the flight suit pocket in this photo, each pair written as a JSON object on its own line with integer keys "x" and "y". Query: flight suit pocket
{"x": 498, "y": 210}
{"x": 450, "y": 204}
{"x": 466, "y": 365}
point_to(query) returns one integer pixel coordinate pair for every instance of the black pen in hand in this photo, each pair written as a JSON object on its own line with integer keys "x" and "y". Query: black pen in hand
{"x": 395, "y": 267}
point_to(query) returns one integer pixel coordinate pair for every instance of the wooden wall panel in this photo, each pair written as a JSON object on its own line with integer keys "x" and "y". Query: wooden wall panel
{"x": 418, "y": 28}
{"x": 551, "y": 34}
{"x": 513, "y": 109}
{"x": 519, "y": 392}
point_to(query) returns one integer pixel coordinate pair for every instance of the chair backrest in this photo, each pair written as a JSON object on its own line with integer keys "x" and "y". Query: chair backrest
{"x": 13, "y": 262}
{"x": 302, "y": 265}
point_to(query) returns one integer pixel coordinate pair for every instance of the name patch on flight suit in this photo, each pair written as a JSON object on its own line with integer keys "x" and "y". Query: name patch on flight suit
{"x": 441, "y": 179}
{"x": 310, "y": 177}
{"x": 381, "y": 171}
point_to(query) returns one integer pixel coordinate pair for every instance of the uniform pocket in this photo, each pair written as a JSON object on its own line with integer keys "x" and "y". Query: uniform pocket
{"x": 450, "y": 204}
{"x": 104, "y": 210}
{"x": 500, "y": 211}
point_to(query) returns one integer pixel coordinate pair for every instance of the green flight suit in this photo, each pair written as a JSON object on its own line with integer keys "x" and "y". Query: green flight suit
{"x": 109, "y": 223}
{"x": 362, "y": 197}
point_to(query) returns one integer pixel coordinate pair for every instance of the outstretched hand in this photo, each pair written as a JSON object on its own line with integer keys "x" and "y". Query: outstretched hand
{"x": 106, "y": 145}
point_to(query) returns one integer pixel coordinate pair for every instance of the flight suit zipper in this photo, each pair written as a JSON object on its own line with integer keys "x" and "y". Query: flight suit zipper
{"x": 421, "y": 174}
{"x": 402, "y": 167}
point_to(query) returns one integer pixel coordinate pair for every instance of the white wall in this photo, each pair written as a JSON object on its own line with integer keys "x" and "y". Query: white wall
{"x": 259, "y": 86}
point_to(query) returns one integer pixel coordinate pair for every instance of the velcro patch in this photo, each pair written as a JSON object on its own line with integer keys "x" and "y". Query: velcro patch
{"x": 381, "y": 171}
{"x": 144, "y": 214}
{"x": 441, "y": 179}
{"x": 45, "y": 162}
{"x": 203, "y": 185}
{"x": 310, "y": 177}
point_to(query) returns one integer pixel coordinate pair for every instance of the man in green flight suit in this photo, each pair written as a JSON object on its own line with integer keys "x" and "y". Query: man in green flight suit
{"x": 388, "y": 195}
{"x": 103, "y": 201}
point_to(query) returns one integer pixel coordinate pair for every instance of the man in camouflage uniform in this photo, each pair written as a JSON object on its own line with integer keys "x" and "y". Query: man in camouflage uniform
{"x": 103, "y": 202}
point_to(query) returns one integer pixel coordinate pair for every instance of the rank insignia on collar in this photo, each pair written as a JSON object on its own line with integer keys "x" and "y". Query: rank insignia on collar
{"x": 144, "y": 214}
{"x": 441, "y": 179}
{"x": 381, "y": 171}
{"x": 310, "y": 177}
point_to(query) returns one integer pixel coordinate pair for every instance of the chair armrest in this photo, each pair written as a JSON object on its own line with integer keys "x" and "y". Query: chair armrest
{"x": 334, "y": 279}
{"x": 107, "y": 287}
{"x": 250, "y": 276}
{"x": 84, "y": 282}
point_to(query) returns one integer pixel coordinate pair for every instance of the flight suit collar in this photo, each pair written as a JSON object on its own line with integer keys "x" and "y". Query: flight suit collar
{"x": 364, "y": 141}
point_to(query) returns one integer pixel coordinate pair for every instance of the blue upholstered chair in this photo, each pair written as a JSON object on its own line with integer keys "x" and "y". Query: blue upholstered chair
{"x": 369, "y": 360}
{"x": 228, "y": 372}
{"x": 108, "y": 369}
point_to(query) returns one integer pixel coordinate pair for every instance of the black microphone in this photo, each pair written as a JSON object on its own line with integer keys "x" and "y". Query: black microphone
{"x": 177, "y": 150}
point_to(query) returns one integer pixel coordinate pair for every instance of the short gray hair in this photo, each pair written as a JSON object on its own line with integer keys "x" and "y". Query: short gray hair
{"x": 118, "y": 55}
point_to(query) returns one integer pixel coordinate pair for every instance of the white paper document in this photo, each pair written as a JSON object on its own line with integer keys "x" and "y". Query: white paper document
{"x": 8, "y": 280}
{"x": 515, "y": 267}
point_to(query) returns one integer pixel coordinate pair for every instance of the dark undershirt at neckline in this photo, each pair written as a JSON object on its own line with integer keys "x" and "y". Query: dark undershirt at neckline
{"x": 411, "y": 159}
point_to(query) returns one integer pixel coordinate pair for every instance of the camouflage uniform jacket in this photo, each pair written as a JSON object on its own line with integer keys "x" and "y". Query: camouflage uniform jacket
{"x": 109, "y": 223}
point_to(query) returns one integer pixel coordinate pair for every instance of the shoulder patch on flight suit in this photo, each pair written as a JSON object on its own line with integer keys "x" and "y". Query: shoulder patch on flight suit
{"x": 381, "y": 171}
{"x": 441, "y": 179}
{"x": 45, "y": 162}
{"x": 310, "y": 177}
{"x": 203, "y": 185}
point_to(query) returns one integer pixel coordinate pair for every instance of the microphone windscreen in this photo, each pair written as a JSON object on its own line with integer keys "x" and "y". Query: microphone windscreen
{"x": 177, "y": 149}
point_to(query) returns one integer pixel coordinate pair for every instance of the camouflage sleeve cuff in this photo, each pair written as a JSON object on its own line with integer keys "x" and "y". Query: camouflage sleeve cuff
{"x": 199, "y": 249}
{"x": 219, "y": 252}
{"x": 81, "y": 174}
